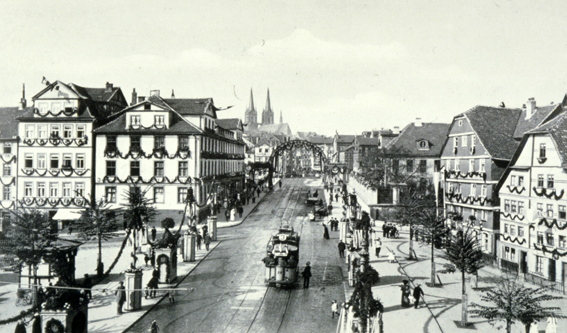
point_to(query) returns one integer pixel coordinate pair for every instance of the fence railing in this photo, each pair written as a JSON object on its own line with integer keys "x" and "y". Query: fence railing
{"x": 556, "y": 286}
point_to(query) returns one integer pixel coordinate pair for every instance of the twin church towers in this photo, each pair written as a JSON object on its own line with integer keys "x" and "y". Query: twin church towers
{"x": 251, "y": 116}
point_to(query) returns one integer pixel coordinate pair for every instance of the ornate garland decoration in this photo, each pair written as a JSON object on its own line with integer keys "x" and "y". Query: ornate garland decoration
{"x": 73, "y": 111}
{"x": 11, "y": 206}
{"x": 10, "y": 160}
{"x": 552, "y": 223}
{"x": 142, "y": 127}
{"x": 113, "y": 152}
{"x": 509, "y": 216}
{"x": 55, "y": 172}
{"x": 139, "y": 180}
{"x": 467, "y": 200}
{"x": 470, "y": 174}
{"x": 552, "y": 193}
{"x": 289, "y": 145}
{"x": 55, "y": 140}
{"x": 54, "y": 326}
{"x": 555, "y": 253}
{"x": 515, "y": 240}
{"x": 12, "y": 182}
{"x": 42, "y": 201}
{"x": 515, "y": 189}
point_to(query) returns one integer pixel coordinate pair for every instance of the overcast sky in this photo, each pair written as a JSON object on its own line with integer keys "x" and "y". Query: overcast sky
{"x": 345, "y": 66}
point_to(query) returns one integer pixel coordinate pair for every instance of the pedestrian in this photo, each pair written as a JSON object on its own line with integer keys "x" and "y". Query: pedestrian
{"x": 205, "y": 230}
{"x": 153, "y": 232}
{"x": 240, "y": 211}
{"x": 325, "y": 231}
{"x": 21, "y": 325}
{"x": 120, "y": 297}
{"x": 227, "y": 215}
{"x": 154, "y": 328}
{"x": 146, "y": 258}
{"x": 280, "y": 184}
{"x": 171, "y": 295}
{"x": 199, "y": 239}
{"x": 337, "y": 197}
{"x": 88, "y": 284}
{"x": 331, "y": 197}
{"x": 534, "y": 326}
{"x": 417, "y": 293}
{"x": 334, "y": 309}
{"x": 152, "y": 287}
{"x": 384, "y": 232}
{"x": 233, "y": 214}
{"x": 316, "y": 194}
{"x": 551, "y": 325}
{"x": 392, "y": 258}
{"x": 36, "y": 324}
{"x": 341, "y": 247}
{"x": 405, "y": 293}
{"x": 378, "y": 247}
{"x": 153, "y": 257}
{"x": 306, "y": 274}
{"x": 207, "y": 241}
{"x": 258, "y": 190}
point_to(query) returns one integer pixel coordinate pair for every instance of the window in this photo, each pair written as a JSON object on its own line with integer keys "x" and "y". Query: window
{"x": 54, "y": 161}
{"x": 110, "y": 194}
{"x": 55, "y": 130}
{"x": 542, "y": 150}
{"x": 42, "y": 131}
{"x": 111, "y": 141}
{"x": 483, "y": 190}
{"x": 135, "y": 142}
{"x": 135, "y": 120}
{"x": 506, "y": 205}
{"x": 512, "y": 254}
{"x": 484, "y": 215}
{"x": 30, "y": 131}
{"x": 539, "y": 180}
{"x": 471, "y": 165}
{"x": 183, "y": 169}
{"x": 512, "y": 180}
{"x": 520, "y": 207}
{"x": 505, "y": 228}
{"x": 79, "y": 189}
{"x": 181, "y": 194}
{"x": 506, "y": 252}
{"x": 7, "y": 170}
{"x": 67, "y": 131}
{"x": 81, "y": 131}
{"x": 28, "y": 161}
{"x": 482, "y": 166}
{"x": 464, "y": 141}
{"x": 460, "y": 122}
{"x": 521, "y": 181}
{"x": 457, "y": 165}
{"x": 549, "y": 239}
{"x": 158, "y": 168}
{"x": 422, "y": 166}
{"x": 6, "y": 193}
{"x": 540, "y": 238}
{"x": 111, "y": 168}
{"x": 159, "y": 120}
{"x": 183, "y": 141}
{"x": 456, "y": 142}
{"x": 158, "y": 194}
{"x": 67, "y": 161}
{"x": 28, "y": 189}
{"x": 159, "y": 141}
{"x": 550, "y": 181}
{"x": 395, "y": 166}
{"x": 423, "y": 144}
{"x": 549, "y": 210}
{"x": 513, "y": 230}
{"x": 41, "y": 161}
{"x": 7, "y": 147}
{"x": 135, "y": 168}
{"x": 539, "y": 264}
{"x": 562, "y": 214}
{"x": 80, "y": 162}
{"x": 473, "y": 190}
{"x": 540, "y": 209}
{"x": 53, "y": 189}
{"x": 562, "y": 242}
{"x": 41, "y": 189}
{"x": 66, "y": 190}
{"x": 520, "y": 231}
{"x": 513, "y": 206}
{"x": 473, "y": 140}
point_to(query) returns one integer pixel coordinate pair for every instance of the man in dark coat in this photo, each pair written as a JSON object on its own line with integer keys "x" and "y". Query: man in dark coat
{"x": 88, "y": 284}
{"x": 417, "y": 293}
{"x": 120, "y": 297}
{"x": 341, "y": 247}
{"x": 20, "y": 326}
{"x": 153, "y": 232}
{"x": 36, "y": 324}
{"x": 306, "y": 275}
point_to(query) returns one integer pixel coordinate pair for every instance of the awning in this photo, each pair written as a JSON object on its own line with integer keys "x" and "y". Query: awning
{"x": 66, "y": 214}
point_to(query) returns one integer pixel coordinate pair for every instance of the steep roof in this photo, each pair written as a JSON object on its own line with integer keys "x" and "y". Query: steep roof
{"x": 541, "y": 114}
{"x": 8, "y": 123}
{"x": 96, "y": 94}
{"x": 229, "y": 124}
{"x": 557, "y": 128}
{"x": 364, "y": 141}
{"x": 283, "y": 129}
{"x": 178, "y": 126}
{"x": 186, "y": 106}
{"x": 434, "y": 133}
{"x": 345, "y": 138}
{"x": 320, "y": 140}
{"x": 495, "y": 128}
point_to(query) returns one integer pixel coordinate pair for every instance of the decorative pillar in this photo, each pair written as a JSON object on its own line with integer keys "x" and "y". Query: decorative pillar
{"x": 65, "y": 320}
{"x": 188, "y": 247}
{"x": 343, "y": 230}
{"x": 166, "y": 263}
{"x": 133, "y": 285}
{"x": 212, "y": 227}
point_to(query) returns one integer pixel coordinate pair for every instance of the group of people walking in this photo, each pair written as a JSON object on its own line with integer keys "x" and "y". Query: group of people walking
{"x": 409, "y": 297}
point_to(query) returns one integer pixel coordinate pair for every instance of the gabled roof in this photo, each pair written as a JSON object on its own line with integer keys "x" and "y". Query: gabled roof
{"x": 283, "y": 129}
{"x": 95, "y": 94}
{"x": 320, "y": 140}
{"x": 364, "y": 141}
{"x": 8, "y": 123}
{"x": 188, "y": 106}
{"x": 495, "y": 129}
{"x": 178, "y": 126}
{"x": 230, "y": 124}
{"x": 434, "y": 133}
{"x": 345, "y": 138}
{"x": 541, "y": 115}
{"x": 557, "y": 128}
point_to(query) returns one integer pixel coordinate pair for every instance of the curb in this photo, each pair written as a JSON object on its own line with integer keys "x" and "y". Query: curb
{"x": 253, "y": 209}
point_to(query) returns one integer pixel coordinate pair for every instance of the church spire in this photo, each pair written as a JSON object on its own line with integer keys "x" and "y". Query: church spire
{"x": 268, "y": 114}
{"x": 251, "y": 107}
{"x": 281, "y": 117}
{"x": 250, "y": 117}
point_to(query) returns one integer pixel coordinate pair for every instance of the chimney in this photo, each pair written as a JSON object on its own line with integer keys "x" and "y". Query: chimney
{"x": 418, "y": 122}
{"x": 396, "y": 130}
{"x": 23, "y": 99}
{"x": 154, "y": 92}
{"x": 172, "y": 94}
{"x": 109, "y": 87}
{"x": 530, "y": 107}
{"x": 134, "y": 96}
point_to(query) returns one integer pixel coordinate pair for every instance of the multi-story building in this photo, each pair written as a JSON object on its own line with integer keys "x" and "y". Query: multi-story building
{"x": 479, "y": 147}
{"x": 533, "y": 228}
{"x": 55, "y": 155}
{"x": 170, "y": 145}
{"x": 340, "y": 145}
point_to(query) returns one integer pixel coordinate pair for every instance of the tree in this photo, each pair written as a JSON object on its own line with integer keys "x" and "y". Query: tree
{"x": 98, "y": 220}
{"x": 410, "y": 212}
{"x": 364, "y": 306}
{"x": 514, "y": 302}
{"x": 167, "y": 223}
{"x": 137, "y": 210}
{"x": 465, "y": 254}
{"x": 430, "y": 220}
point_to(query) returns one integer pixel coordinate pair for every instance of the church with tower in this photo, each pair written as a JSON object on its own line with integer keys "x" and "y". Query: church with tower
{"x": 253, "y": 128}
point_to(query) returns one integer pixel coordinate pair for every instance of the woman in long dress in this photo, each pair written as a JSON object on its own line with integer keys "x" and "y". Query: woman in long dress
{"x": 325, "y": 232}
{"x": 405, "y": 294}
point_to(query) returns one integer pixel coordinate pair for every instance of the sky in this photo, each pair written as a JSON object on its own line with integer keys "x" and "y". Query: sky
{"x": 331, "y": 66}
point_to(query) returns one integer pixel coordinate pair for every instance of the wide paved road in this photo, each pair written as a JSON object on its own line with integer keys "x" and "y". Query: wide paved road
{"x": 229, "y": 292}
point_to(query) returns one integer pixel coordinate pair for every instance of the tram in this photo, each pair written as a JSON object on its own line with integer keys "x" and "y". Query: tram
{"x": 282, "y": 258}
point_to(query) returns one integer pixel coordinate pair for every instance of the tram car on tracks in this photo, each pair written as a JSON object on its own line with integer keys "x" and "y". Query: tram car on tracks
{"x": 282, "y": 258}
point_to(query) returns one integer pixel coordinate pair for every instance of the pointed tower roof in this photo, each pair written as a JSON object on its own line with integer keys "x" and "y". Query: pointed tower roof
{"x": 268, "y": 104}
{"x": 281, "y": 117}
{"x": 251, "y": 107}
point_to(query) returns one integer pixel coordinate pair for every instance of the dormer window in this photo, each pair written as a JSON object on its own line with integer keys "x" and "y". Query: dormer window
{"x": 183, "y": 141}
{"x": 542, "y": 150}
{"x": 423, "y": 145}
{"x": 55, "y": 131}
{"x": 460, "y": 122}
{"x": 135, "y": 120}
{"x": 147, "y": 106}
{"x": 159, "y": 141}
{"x": 159, "y": 120}
{"x": 134, "y": 142}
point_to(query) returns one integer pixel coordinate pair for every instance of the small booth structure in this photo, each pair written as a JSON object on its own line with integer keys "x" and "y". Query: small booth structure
{"x": 165, "y": 253}
{"x": 282, "y": 258}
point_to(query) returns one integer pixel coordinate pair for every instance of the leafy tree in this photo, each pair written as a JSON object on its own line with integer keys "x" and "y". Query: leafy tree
{"x": 464, "y": 254}
{"x": 379, "y": 167}
{"x": 137, "y": 210}
{"x": 363, "y": 304}
{"x": 98, "y": 220}
{"x": 410, "y": 212}
{"x": 431, "y": 220}
{"x": 167, "y": 223}
{"x": 514, "y": 302}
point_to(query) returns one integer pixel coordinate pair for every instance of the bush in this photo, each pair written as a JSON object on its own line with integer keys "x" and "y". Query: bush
{"x": 167, "y": 223}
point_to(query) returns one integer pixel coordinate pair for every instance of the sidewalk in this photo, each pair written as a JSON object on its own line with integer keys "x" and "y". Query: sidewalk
{"x": 102, "y": 316}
